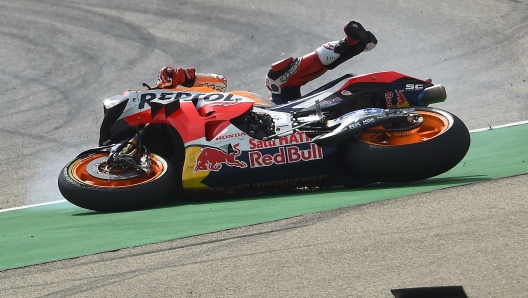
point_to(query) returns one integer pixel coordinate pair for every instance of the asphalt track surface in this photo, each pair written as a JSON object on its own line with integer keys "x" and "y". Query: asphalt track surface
{"x": 60, "y": 59}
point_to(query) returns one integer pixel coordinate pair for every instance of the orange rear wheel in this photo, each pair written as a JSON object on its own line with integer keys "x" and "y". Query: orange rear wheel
{"x": 432, "y": 148}
{"x": 433, "y": 125}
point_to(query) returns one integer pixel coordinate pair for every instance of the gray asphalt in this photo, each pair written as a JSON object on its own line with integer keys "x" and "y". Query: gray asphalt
{"x": 60, "y": 59}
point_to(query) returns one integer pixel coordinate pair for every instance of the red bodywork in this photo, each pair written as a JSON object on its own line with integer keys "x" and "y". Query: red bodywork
{"x": 192, "y": 123}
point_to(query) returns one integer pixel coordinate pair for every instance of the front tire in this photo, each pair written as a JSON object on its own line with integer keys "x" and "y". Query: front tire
{"x": 91, "y": 189}
{"x": 438, "y": 145}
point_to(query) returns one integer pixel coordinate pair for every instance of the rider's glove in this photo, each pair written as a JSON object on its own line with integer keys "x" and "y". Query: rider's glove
{"x": 170, "y": 77}
{"x": 165, "y": 77}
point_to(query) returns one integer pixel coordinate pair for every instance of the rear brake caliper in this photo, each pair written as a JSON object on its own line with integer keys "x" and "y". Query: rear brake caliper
{"x": 396, "y": 120}
{"x": 412, "y": 121}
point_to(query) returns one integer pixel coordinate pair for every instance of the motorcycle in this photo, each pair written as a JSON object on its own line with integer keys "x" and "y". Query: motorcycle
{"x": 159, "y": 144}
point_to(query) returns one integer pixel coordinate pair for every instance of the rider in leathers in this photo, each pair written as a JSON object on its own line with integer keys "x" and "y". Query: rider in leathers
{"x": 285, "y": 77}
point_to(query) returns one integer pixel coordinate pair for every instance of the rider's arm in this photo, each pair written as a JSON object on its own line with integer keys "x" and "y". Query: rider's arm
{"x": 170, "y": 77}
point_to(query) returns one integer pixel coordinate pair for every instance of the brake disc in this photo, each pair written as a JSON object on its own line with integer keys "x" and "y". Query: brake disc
{"x": 97, "y": 168}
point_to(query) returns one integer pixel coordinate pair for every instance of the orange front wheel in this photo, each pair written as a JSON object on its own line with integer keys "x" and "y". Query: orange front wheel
{"x": 90, "y": 183}
{"x": 94, "y": 171}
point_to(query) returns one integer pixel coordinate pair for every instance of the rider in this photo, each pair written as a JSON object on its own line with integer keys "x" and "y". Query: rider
{"x": 285, "y": 77}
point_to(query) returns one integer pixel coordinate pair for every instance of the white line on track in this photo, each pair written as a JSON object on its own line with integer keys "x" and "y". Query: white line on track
{"x": 30, "y": 206}
{"x": 499, "y": 126}
{"x": 471, "y": 131}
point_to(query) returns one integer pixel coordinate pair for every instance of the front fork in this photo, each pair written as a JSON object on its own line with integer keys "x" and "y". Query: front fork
{"x": 130, "y": 153}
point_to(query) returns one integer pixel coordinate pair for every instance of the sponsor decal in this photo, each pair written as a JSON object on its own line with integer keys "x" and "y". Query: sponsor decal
{"x": 168, "y": 97}
{"x": 363, "y": 111}
{"x": 212, "y": 86}
{"x": 212, "y": 159}
{"x": 411, "y": 87}
{"x": 295, "y": 138}
{"x": 288, "y": 182}
{"x": 291, "y": 71}
{"x": 388, "y": 100}
{"x": 354, "y": 125}
{"x": 402, "y": 101}
{"x": 367, "y": 121}
{"x": 285, "y": 155}
{"x": 328, "y": 46}
{"x": 346, "y": 92}
{"x": 373, "y": 111}
{"x": 222, "y": 104}
{"x": 222, "y": 78}
{"x": 271, "y": 87}
{"x": 222, "y": 190}
{"x": 288, "y": 150}
{"x": 266, "y": 184}
{"x": 230, "y": 136}
{"x": 330, "y": 101}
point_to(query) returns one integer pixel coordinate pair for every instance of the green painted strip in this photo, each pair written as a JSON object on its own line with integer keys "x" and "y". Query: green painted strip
{"x": 59, "y": 231}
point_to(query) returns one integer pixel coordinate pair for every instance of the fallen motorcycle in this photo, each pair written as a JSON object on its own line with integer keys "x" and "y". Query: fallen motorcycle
{"x": 157, "y": 144}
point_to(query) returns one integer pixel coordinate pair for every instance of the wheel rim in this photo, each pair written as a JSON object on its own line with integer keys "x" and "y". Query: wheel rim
{"x": 87, "y": 171}
{"x": 434, "y": 124}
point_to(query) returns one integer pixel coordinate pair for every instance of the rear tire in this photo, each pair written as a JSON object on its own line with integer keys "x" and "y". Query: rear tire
{"x": 442, "y": 149}
{"x": 79, "y": 185}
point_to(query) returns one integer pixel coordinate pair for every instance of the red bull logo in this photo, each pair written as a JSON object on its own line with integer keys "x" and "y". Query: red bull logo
{"x": 401, "y": 101}
{"x": 212, "y": 159}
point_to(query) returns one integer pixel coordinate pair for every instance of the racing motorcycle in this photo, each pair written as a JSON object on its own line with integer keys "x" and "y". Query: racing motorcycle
{"x": 159, "y": 144}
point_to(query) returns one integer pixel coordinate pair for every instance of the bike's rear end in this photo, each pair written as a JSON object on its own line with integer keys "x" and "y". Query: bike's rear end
{"x": 384, "y": 128}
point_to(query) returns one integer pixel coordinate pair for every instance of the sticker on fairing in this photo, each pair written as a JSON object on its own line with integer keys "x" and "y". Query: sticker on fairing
{"x": 369, "y": 111}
